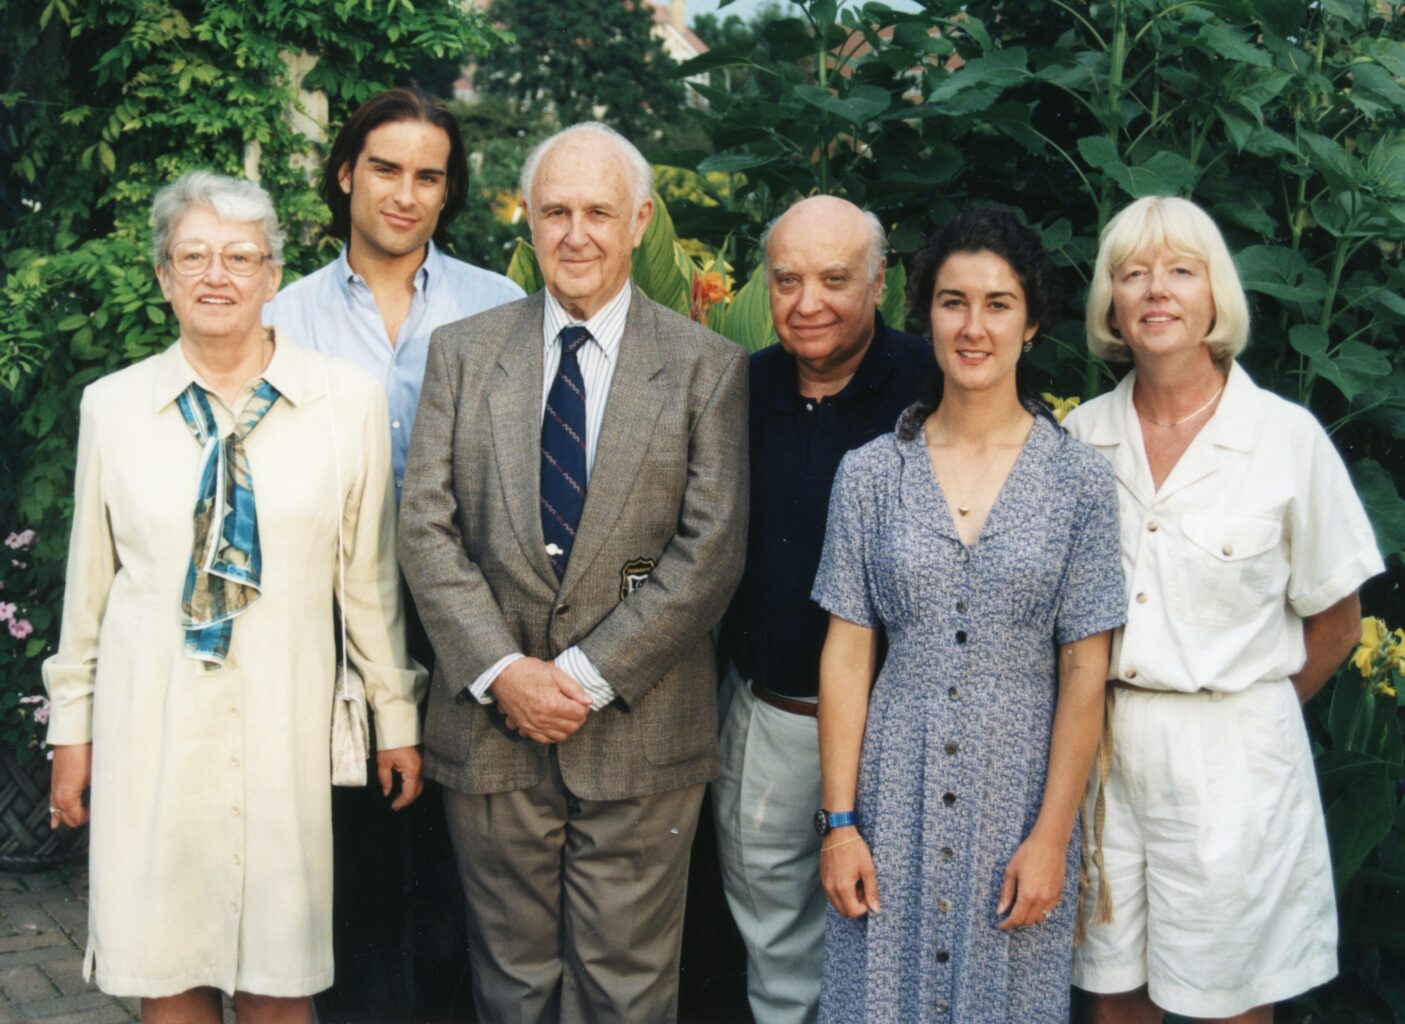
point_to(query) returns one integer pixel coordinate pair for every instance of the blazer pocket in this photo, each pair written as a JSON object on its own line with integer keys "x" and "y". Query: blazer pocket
{"x": 446, "y": 724}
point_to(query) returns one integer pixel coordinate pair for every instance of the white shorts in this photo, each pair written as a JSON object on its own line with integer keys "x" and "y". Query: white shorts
{"x": 1216, "y": 853}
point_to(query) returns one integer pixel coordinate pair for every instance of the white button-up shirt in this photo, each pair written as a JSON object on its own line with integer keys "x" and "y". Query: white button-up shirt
{"x": 1256, "y": 528}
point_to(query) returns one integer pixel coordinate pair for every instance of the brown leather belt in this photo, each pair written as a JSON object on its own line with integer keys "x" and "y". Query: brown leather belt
{"x": 809, "y": 708}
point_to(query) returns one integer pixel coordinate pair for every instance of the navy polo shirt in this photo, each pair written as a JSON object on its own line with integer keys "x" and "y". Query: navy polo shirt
{"x": 773, "y": 631}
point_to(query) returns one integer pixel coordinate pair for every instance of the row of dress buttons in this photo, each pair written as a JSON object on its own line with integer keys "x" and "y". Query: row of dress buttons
{"x": 952, "y": 748}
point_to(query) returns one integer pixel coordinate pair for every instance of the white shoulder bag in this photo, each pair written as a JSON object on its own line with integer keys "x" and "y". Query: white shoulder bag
{"x": 351, "y": 735}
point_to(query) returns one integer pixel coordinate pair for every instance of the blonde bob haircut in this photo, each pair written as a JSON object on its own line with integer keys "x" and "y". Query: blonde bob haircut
{"x": 1167, "y": 222}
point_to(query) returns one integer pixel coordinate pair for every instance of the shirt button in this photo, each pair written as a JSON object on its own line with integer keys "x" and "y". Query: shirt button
{"x": 1141, "y": 598}
{"x": 951, "y": 747}
{"x": 1131, "y": 673}
{"x": 1227, "y": 550}
{"x": 1153, "y": 525}
{"x": 943, "y": 956}
{"x": 953, "y": 692}
{"x": 944, "y": 906}
{"x": 948, "y": 853}
{"x": 395, "y": 424}
{"x": 809, "y": 407}
{"x": 960, "y": 636}
{"x": 948, "y": 798}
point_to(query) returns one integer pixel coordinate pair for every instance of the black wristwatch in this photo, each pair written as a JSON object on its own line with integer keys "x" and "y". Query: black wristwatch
{"x": 826, "y": 821}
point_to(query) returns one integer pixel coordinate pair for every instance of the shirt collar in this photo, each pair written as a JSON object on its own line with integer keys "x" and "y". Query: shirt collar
{"x": 606, "y": 326}
{"x": 873, "y": 370}
{"x": 429, "y": 271}
{"x": 286, "y": 371}
{"x": 1233, "y": 425}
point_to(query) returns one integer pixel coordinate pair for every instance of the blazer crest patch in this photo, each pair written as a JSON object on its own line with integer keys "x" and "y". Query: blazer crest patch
{"x": 633, "y": 574}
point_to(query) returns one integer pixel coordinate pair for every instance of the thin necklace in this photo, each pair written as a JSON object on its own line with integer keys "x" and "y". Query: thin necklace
{"x": 1183, "y": 419}
{"x": 965, "y": 510}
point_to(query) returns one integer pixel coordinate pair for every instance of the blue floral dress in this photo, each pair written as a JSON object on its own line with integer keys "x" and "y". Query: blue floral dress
{"x": 956, "y": 746}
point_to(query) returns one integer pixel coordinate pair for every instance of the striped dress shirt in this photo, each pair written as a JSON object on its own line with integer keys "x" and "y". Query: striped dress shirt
{"x": 597, "y": 358}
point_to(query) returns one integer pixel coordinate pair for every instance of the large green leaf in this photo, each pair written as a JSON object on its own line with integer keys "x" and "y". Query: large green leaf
{"x": 1384, "y": 505}
{"x": 1358, "y": 819}
{"x": 522, "y": 268}
{"x": 655, "y": 268}
{"x": 863, "y": 103}
{"x": 747, "y": 319}
{"x": 894, "y": 303}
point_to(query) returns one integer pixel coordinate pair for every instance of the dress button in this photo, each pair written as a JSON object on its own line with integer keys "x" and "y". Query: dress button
{"x": 233, "y": 908}
{"x": 234, "y": 762}
{"x": 234, "y": 810}
{"x": 960, "y": 636}
{"x": 951, "y": 747}
{"x": 1141, "y": 598}
{"x": 944, "y": 906}
{"x": 238, "y": 859}
{"x": 953, "y": 692}
{"x": 961, "y": 607}
{"x": 233, "y": 712}
{"x": 948, "y": 798}
{"x": 1153, "y": 525}
{"x": 942, "y": 1006}
{"x": 943, "y": 956}
{"x": 948, "y": 853}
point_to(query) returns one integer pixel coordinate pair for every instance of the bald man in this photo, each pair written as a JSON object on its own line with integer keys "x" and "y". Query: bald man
{"x": 839, "y": 378}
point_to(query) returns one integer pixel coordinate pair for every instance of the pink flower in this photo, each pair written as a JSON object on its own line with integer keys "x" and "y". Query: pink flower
{"x": 7, "y": 611}
{"x": 23, "y": 539}
{"x": 20, "y": 628}
{"x": 41, "y": 713}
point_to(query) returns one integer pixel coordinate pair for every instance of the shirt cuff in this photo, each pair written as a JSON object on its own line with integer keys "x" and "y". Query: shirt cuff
{"x": 574, "y": 662}
{"x": 480, "y": 686}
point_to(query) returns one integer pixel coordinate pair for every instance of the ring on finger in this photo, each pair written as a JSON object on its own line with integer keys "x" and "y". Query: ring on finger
{"x": 1048, "y": 914}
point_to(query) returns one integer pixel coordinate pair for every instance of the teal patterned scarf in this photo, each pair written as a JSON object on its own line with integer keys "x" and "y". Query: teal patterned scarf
{"x": 225, "y": 563}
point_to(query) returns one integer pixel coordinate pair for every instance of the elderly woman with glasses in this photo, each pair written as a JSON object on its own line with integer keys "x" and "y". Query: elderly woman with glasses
{"x": 1243, "y": 545}
{"x": 223, "y": 488}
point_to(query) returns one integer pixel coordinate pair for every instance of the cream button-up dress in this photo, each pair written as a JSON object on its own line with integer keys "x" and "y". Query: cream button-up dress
{"x": 211, "y": 842}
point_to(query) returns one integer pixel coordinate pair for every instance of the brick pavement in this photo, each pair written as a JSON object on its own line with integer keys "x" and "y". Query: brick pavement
{"x": 43, "y": 931}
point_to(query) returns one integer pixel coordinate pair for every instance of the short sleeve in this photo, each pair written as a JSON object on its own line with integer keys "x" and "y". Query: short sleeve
{"x": 842, "y": 582}
{"x": 1332, "y": 549}
{"x": 1091, "y": 598}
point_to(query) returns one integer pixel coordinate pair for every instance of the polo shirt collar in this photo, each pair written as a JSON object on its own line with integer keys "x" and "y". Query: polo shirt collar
{"x": 873, "y": 372}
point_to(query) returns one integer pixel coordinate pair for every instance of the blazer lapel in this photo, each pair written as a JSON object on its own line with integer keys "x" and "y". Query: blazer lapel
{"x": 637, "y": 394}
{"x": 515, "y": 408}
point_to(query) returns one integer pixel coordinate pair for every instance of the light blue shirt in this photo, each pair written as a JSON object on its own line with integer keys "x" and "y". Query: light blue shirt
{"x": 333, "y": 311}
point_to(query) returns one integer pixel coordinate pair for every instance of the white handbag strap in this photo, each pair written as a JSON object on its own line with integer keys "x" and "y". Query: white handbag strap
{"x": 336, "y": 468}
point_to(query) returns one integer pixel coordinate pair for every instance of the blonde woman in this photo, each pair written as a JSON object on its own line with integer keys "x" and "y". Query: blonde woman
{"x": 1243, "y": 545}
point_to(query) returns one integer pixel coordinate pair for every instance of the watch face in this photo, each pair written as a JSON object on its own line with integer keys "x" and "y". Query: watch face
{"x": 821, "y": 822}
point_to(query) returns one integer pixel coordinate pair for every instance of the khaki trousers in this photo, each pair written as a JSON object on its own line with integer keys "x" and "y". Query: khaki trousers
{"x": 575, "y": 907}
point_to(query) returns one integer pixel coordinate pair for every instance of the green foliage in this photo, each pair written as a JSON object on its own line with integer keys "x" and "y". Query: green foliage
{"x": 105, "y": 102}
{"x": 585, "y": 61}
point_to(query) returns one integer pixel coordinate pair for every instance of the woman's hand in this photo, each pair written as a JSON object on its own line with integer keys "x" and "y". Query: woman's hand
{"x": 72, "y": 772}
{"x": 1034, "y": 882}
{"x": 846, "y": 871}
{"x": 406, "y": 761}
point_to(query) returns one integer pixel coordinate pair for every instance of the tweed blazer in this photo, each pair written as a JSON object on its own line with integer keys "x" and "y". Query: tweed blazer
{"x": 658, "y": 550}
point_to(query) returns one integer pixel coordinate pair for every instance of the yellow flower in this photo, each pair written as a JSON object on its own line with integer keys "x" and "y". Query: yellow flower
{"x": 1061, "y": 406}
{"x": 1373, "y": 631}
{"x": 1362, "y": 658}
{"x": 1387, "y": 691}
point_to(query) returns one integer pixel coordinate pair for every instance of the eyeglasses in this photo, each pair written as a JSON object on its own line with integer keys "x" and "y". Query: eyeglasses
{"x": 241, "y": 258}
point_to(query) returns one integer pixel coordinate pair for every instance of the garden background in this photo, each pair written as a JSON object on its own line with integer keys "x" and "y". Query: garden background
{"x": 1284, "y": 118}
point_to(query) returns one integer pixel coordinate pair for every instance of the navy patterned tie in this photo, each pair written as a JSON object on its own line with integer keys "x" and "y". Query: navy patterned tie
{"x": 563, "y": 452}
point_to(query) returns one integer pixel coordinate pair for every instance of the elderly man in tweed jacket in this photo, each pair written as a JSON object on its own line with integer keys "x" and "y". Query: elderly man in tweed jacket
{"x": 572, "y": 526}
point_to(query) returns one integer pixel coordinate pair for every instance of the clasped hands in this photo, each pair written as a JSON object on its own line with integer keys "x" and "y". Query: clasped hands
{"x": 1033, "y": 879}
{"x": 540, "y": 700}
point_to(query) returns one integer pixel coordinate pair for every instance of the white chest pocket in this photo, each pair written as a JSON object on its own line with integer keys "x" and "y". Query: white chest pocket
{"x": 1228, "y": 569}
